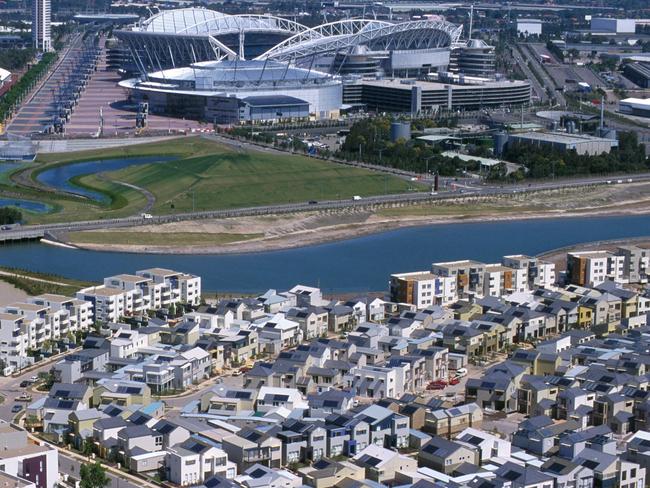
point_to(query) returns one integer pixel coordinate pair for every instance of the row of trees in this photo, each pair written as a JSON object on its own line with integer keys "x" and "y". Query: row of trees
{"x": 369, "y": 141}
{"x": 10, "y": 215}
{"x": 15, "y": 95}
{"x": 14, "y": 59}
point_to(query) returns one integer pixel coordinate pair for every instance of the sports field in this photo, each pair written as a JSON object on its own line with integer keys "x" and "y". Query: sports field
{"x": 206, "y": 176}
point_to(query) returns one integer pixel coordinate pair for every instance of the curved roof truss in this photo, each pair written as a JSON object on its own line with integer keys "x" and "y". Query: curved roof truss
{"x": 377, "y": 35}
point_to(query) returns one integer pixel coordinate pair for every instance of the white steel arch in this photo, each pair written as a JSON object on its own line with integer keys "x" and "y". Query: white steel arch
{"x": 233, "y": 24}
{"x": 346, "y": 34}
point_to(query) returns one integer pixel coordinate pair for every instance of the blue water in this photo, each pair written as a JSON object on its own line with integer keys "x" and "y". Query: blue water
{"x": 6, "y": 167}
{"x": 60, "y": 176}
{"x": 361, "y": 264}
{"x": 29, "y": 205}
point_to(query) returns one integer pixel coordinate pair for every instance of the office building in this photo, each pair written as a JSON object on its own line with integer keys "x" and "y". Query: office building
{"x": 41, "y": 25}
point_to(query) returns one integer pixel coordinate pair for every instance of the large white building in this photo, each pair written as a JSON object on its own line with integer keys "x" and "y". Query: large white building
{"x": 635, "y": 106}
{"x": 41, "y": 25}
{"x": 448, "y": 282}
{"x": 529, "y": 27}
{"x": 123, "y": 295}
{"x": 28, "y": 326}
{"x": 612, "y": 26}
{"x": 592, "y": 268}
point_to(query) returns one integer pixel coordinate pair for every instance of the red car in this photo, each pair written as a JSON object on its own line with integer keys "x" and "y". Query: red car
{"x": 454, "y": 381}
{"x": 437, "y": 385}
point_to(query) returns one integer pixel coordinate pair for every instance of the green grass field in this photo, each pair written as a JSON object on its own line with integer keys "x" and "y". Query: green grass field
{"x": 206, "y": 176}
{"x": 229, "y": 180}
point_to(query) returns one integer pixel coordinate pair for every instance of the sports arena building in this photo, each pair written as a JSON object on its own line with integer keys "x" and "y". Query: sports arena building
{"x": 178, "y": 38}
{"x": 222, "y": 68}
{"x": 228, "y": 92}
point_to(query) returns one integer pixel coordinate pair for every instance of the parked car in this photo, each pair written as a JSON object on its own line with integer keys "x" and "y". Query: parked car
{"x": 435, "y": 386}
{"x": 16, "y": 408}
{"x": 24, "y": 397}
{"x": 454, "y": 381}
{"x": 25, "y": 383}
{"x": 460, "y": 372}
{"x": 33, "y": 379}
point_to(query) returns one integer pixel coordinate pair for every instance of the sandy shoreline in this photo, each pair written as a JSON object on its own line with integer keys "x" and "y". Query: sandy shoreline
{"x": 372, "y": 224}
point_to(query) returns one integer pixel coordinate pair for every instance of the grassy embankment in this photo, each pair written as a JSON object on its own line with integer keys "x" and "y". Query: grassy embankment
{"x": 42, "y": 282}
{"x": 158, "y": 239}
{"x": 206, "y": 176}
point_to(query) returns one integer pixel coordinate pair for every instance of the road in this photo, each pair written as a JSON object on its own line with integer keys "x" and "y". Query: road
{"x": 10, "y": 389}
{"x": 548, "y": 82}
{"x": 537, "y": 87}
{"x": 36, "y": 231}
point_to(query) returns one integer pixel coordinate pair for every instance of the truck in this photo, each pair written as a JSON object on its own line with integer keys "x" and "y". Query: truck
{"x": 356, "y": 198}
{"x": 146, "y": 216}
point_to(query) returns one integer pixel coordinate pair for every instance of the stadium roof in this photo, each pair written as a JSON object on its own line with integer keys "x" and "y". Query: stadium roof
{"x": 199, "y": 33}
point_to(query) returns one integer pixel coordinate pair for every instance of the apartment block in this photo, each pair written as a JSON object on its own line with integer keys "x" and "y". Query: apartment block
{"x": 595, "y": 267}
{"x": 422, "y": 289}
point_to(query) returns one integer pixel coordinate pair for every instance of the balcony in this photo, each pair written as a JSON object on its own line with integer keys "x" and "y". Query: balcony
{"x": 257, "y": 455}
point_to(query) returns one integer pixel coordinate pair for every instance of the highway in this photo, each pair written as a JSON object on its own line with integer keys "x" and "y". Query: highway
{"x": 535, "y": 61}
{"x": 538, "y": 89}
{"x": 467, "y": 190}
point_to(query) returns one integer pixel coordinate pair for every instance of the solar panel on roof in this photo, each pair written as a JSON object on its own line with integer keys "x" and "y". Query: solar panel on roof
{"x": 258, "y": 473}
{"x": 371, "y": 460}
{"x": 590, "y": 464}
{"x": 196, "y": 447}
{"x": 556, "y": 467}
{"x": 166, "y": 428}
{"x": 242, "y": 394}
{"x": 511, "y": 475}
{"x": 321, "y": 464}
{"x": 62, "y": 393}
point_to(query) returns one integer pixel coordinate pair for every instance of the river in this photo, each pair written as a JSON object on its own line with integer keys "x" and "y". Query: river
{"x": 355, "y": 265}
{"x": 60, "y": 177}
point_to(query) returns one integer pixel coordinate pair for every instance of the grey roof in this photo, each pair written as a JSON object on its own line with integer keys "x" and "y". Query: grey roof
{"x": 134, "y": 431}
{"x": 110, "y": 423}
{"x": 68, "y": 390}
{"x": 274, "y": 101}
{"x": 440, "y": 447}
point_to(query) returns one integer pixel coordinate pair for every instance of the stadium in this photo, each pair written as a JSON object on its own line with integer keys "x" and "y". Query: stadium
{"x": 178, "y": 38}
{"x": 199, "y": 63}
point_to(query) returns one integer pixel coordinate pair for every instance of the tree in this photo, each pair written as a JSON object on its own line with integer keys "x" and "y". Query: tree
{"x": 93, "y": 476}
{"x": 9, "y": 215}
{"x": 87, "y": 447}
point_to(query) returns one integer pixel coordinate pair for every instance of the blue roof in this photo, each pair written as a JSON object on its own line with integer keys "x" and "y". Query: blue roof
{"x": 152, "y": 408}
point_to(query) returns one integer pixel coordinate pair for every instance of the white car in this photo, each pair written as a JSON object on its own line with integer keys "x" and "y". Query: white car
{"x": 461, "y": 372}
